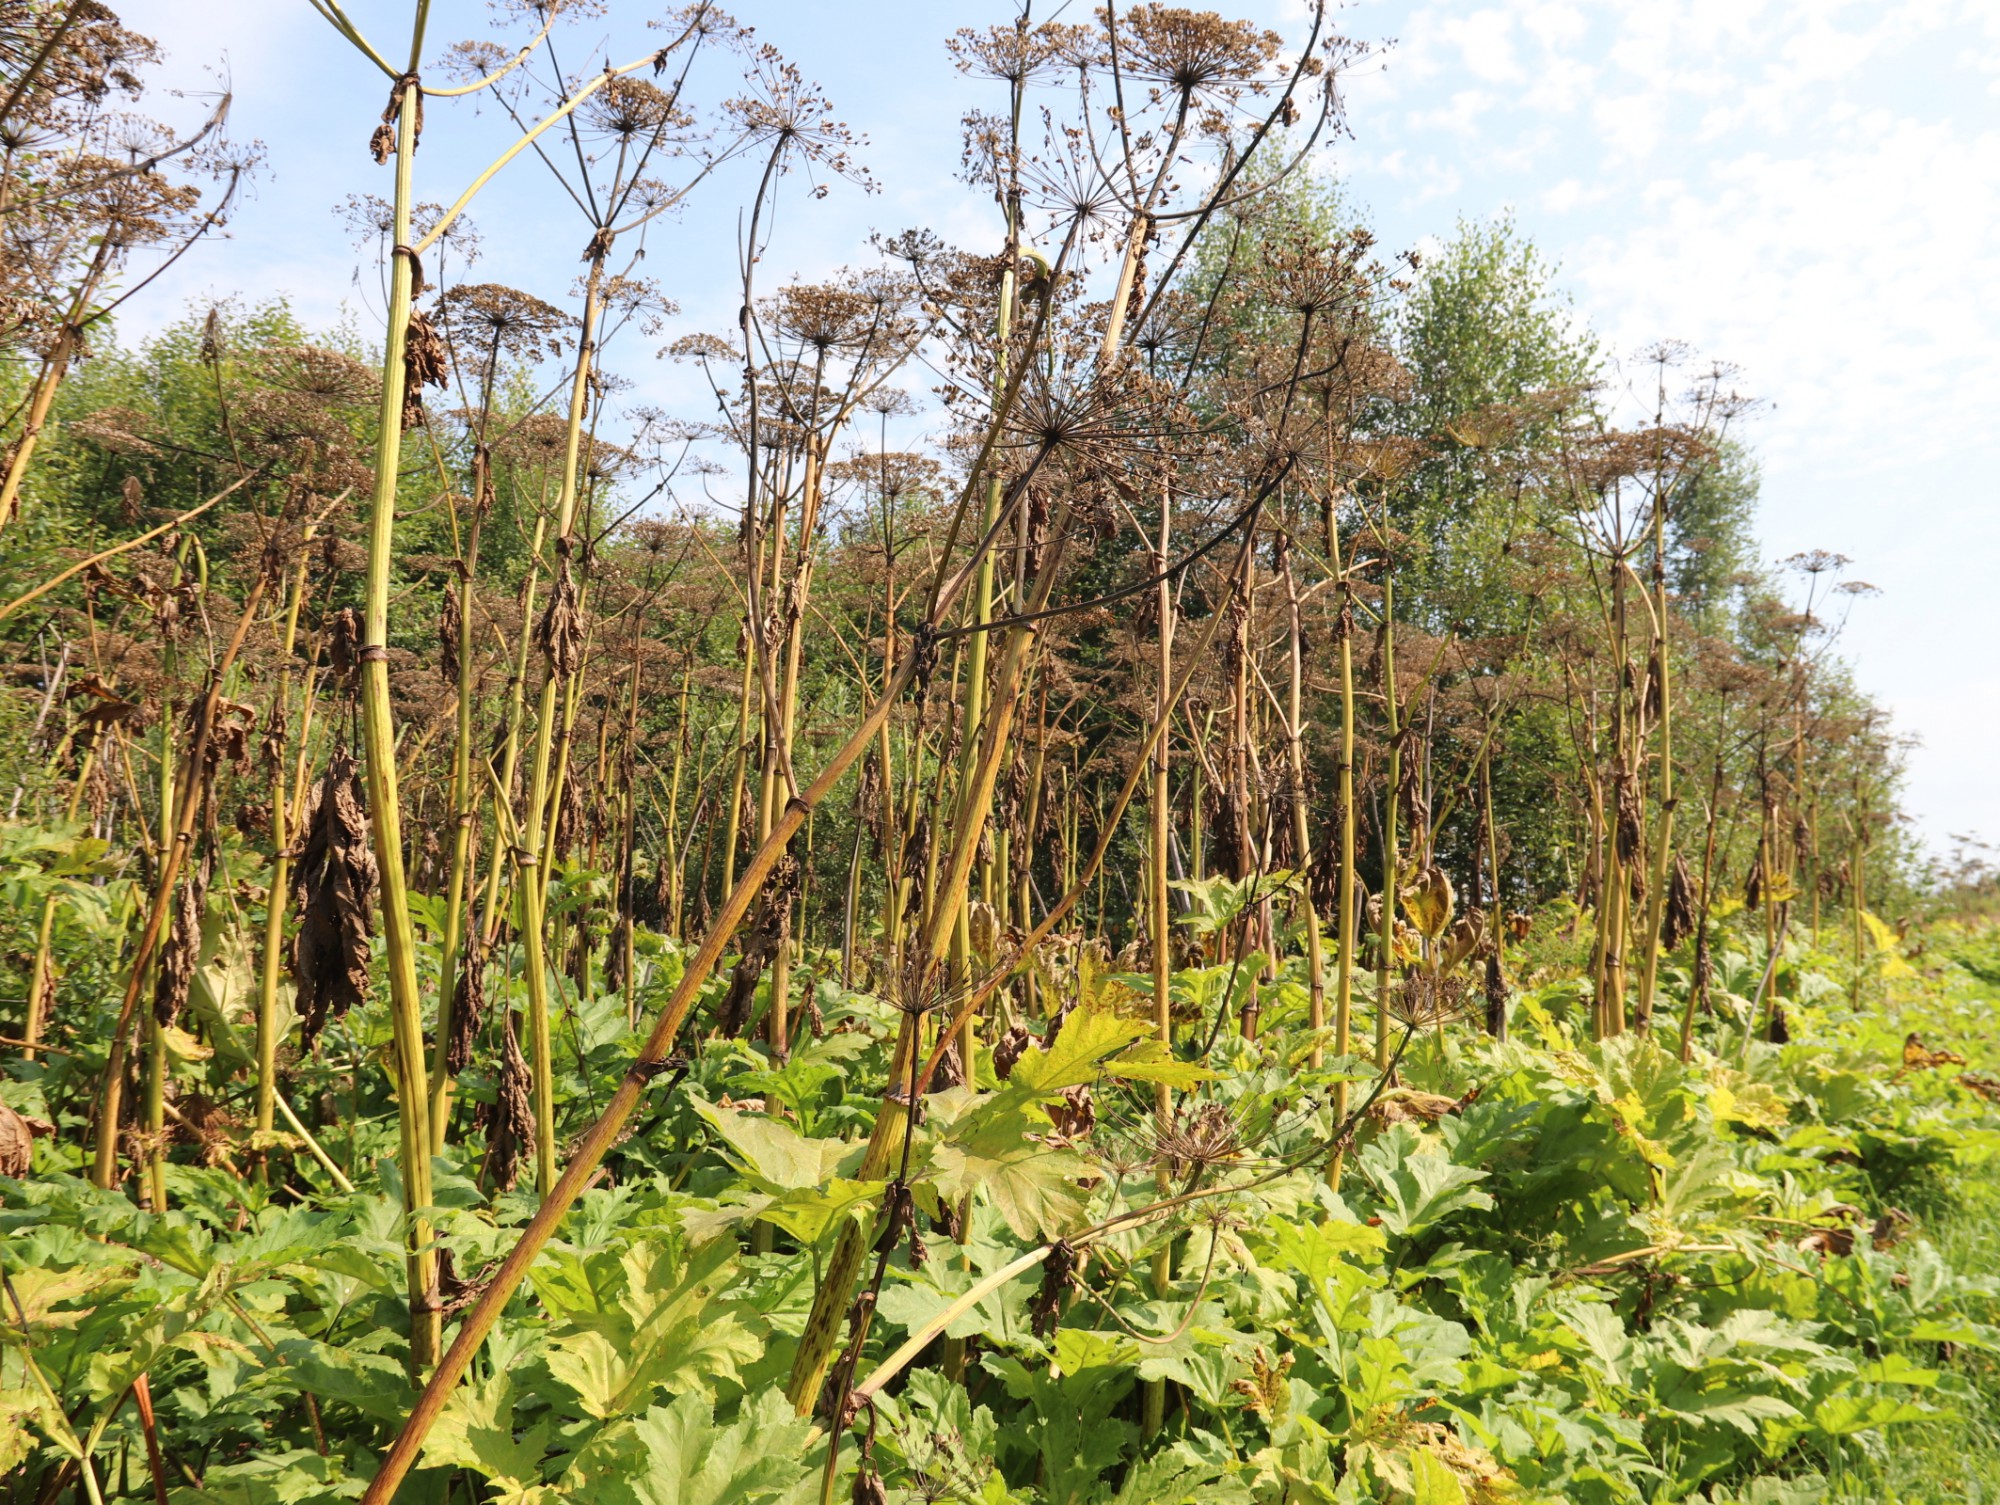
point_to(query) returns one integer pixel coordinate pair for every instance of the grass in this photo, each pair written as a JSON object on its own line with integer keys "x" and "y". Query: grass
{"x": 1955, "y": 1458}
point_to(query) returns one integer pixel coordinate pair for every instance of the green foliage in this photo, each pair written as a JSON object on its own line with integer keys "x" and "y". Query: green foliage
{"x": 1605, "y": 1278}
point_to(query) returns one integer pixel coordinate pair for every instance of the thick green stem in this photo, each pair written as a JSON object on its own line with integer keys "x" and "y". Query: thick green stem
{"x": 384, "y": 797}
{"x": 1385, "y": 960}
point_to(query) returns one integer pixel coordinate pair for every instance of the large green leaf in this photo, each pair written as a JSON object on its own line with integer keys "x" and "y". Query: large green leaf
{"x": 668, "y": 1326}
{"x": 761, "y": 1458}
{"x": 477, "y": 1430}
{"x": 775, "y": 1152}
{"x": 1421, "y": 1191}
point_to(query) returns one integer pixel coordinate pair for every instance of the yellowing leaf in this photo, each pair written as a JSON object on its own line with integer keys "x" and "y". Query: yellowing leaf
{"x": 773, "y": 1150}
{"x": 1033, "y": 1186}
{"x": 39, "y": 1291}
{"x": 1087, "y": 1036}
{"x": 1432, "y": 1481}
{"x": 1151, "y": 1061}
{"x": 1887, "y": 947}
{"x": 667, "y": 1328}
{"x": 761, "y": 1458}
{"x": 1734, "y": 1098}
{"x": 1429, "y": 901}
{"x": 183, "y": 1046}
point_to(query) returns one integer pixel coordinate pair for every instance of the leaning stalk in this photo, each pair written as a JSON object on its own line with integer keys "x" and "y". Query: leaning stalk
{"x": 281, "y": 869}
{"x": 534, "y": 856}
{"x": 1393, "y": 792}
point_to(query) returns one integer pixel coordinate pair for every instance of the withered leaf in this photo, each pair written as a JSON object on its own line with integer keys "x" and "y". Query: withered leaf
{"x": 333, "y": 885}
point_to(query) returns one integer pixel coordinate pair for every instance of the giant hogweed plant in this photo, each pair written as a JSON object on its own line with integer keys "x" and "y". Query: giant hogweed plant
{"x": 1072, "y": 1185}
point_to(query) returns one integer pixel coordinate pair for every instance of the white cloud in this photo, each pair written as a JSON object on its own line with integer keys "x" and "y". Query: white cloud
{"x": 1485, "y": 41}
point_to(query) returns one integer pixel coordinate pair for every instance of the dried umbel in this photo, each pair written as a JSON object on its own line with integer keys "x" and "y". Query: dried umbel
{"x": 824, "y": 317}
{"x": 1314, "y": 277}
{"x": 631, "y": 111}
{"x": 488, "y": 322}
{"x": 1020, "y": 52}
{"x": 1427, "y": 1001}
{"x": 333, "y": 885}
{"x": 1195, "y": 52}
{"x": 1196, "y": 1139}
{"x": 329, "y": 377}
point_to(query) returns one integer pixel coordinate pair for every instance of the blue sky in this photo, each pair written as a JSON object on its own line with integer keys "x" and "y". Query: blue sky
{"x": 1809, "y": 189}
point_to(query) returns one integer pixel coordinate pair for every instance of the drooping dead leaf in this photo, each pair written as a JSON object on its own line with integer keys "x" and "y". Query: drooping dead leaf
{"x": 425, "y": 364}
{"x": 559, "y": 633}
{"x": 17, "y": 1140}
{"x": 510, "y": 1122}
{"x": 1679, "y": 922}
{"x": 1919, "y": 1057}
{"x": 333, "y": 885}
{"x": 468, "y": 1008}
{"x": 182, "y": 953}
{"x": 1470, "y": 938}
{"x": 1888, "y": 1229}
{"x": 1406, "y": 1105}
{"x": 449, "y": 621}
{"x": 1074, "y": 1115}
{"x": 1986, "y": 1086}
